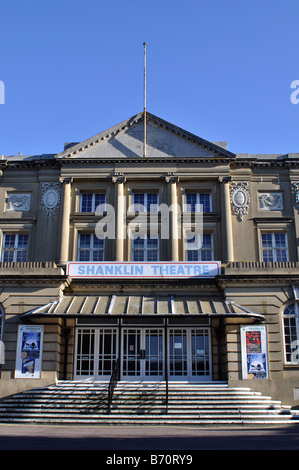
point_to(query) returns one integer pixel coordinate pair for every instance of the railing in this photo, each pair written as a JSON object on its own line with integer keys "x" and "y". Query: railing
{"x": 262, "y": 264}
{"x": 166, "y": 395}
{"x": 28, "y": 264}
{"x": 113, "y": 381}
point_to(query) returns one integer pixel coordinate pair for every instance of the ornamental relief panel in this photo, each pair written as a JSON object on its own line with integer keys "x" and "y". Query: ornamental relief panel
{"x": 19, "y": 202}
{"x": 240, "y": 199}
{"x": 270, "y": 201}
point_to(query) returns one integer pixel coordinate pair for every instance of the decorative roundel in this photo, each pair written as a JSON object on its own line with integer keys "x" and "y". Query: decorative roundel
{"x": 240, "y": 199}
{"x": 51, "y": 198}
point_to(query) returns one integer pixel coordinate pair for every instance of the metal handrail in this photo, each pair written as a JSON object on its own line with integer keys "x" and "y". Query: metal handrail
{"x": 113, "y": 381}
{"x": 166, "y": 395}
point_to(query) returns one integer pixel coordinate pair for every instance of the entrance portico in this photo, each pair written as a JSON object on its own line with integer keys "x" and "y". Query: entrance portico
{"x": 154, "y": 337}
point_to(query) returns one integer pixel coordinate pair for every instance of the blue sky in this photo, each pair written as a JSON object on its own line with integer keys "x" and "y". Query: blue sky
{"x": 221, "y": 69}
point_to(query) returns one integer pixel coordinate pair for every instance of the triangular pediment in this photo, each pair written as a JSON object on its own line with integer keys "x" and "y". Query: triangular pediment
{"x": 126, "y": 140}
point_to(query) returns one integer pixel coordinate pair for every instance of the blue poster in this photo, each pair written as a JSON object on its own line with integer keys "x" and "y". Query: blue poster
{"x": 29, "y": 352}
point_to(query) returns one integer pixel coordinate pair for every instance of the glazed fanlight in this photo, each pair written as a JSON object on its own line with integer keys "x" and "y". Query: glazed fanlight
{"x": 240, "y": 199}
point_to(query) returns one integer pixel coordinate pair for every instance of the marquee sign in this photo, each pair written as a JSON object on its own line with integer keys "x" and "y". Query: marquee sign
{"x": 153, "y": 270}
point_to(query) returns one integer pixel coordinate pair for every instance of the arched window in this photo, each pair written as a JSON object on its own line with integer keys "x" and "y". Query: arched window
{"x": 291, "y": 333}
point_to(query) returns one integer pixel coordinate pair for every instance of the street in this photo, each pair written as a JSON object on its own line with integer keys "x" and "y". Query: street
{"x": 179, "y": 439}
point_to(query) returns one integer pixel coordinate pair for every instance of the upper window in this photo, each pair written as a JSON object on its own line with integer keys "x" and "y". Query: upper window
{"x": 291, "y": 333}
{"x": 199, "y": 247}
{"x": 90, "y": 201}
{"x": 198, "y": 202}
{"x": 274, "y": 246}
{"x": 14, "y": 247}
{"x": 90, "y": 247}
{"x": 145, "y": 202}
{"x": 145, "y": 249}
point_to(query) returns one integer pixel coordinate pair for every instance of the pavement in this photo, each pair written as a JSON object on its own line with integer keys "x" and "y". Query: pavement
{"x": 137, "y": 440}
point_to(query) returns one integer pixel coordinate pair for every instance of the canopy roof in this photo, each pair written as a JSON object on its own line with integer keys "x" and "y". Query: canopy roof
{"x": 142, "y": 305}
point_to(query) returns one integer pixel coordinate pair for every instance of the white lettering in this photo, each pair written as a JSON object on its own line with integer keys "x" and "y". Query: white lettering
{"x": 295, "y": 352}
{"x": 105, "y": 228}
{"x": 2, "y": 93}
{"x": 144, "y": 270}
{"x": 117, "y": 460}
{"x": 295, "y": 94}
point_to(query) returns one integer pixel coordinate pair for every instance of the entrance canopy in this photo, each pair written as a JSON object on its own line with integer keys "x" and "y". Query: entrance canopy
{"x": 143, "y": 305}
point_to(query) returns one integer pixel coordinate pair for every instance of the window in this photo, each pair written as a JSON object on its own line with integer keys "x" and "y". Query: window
{"x": 199, "y": 247}
{"x": 145, "y": 249}
{"x": 90, "y": 201}
{"x": 145, "y": 202}
{"x": 291, "y": 330}
{"x": 90, "y": 247}
{"x": 197, "y": 202}
{"x": 15, "y": 247}
{"x": 274, "y": 246}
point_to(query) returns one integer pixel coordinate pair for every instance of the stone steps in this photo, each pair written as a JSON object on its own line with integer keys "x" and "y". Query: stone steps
{"x": 144, "y": 403}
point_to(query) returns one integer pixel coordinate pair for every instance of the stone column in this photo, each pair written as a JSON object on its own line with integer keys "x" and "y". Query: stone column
{"x": 65, "y": 222}
{"x": 120, "y": 221}
{"x": 175, "y": 228}
{"x": 228, "y": 220}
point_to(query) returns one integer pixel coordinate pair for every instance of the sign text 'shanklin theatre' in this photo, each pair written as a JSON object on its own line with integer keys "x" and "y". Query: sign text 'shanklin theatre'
{"x": 143, "y": 270}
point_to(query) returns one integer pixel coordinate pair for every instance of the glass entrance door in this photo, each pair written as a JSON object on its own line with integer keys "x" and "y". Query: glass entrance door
{"x": 142, "y": 354}
{"x": 178, "y": 358}
{"x": 131, "y": 346}
{"x": 96, "y": 352}
{"x": 189, "y": 354}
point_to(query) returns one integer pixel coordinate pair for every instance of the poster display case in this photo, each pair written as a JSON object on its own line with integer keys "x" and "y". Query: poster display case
{"x": 29, "y": 352}
{"x": 254, "y": 346}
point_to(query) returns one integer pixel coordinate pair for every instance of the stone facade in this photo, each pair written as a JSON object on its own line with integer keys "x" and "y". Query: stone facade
{"x": 250, "y": 217}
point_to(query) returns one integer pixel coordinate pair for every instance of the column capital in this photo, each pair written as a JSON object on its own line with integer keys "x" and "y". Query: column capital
{"x": 224, "y": 179}
{"x": 65, "y": 180}
{"x": 118, "y": 178}
{"x": 171, "y": 178}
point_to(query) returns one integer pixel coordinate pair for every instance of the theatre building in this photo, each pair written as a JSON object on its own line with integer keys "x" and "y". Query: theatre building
{"x": 152, "y": 252}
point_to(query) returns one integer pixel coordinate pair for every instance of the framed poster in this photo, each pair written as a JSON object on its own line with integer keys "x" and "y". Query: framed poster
{"x": 29, "y": 352}
{"x": 254, "y": 352}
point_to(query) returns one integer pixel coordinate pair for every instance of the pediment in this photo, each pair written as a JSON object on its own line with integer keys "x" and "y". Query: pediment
{"x": 126, "y": 140}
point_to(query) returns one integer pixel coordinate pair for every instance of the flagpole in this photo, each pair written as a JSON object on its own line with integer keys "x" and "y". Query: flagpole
{"x": 144, "y": 100}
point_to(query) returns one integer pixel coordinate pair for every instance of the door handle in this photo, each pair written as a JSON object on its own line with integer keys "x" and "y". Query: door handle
{"x": 142, "y": 354}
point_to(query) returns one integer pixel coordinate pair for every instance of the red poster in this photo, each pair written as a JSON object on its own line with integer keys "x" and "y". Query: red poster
{"x": 253, "y": 342}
